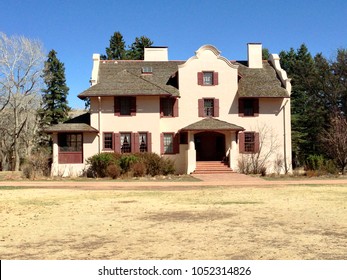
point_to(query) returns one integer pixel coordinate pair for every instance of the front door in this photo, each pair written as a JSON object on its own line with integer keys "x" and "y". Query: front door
{"x": 209, "y": 146}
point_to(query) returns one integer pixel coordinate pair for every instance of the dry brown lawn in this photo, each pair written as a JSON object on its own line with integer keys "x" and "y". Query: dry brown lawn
{"x": 249, "y": 222}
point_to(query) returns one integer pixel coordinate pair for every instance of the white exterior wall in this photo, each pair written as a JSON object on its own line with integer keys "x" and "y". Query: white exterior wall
{"x": 273, "y": 117}
{"x": 73, "y": 169}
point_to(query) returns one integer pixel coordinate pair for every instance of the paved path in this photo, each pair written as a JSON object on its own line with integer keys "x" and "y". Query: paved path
{"x": 232, "y": 180}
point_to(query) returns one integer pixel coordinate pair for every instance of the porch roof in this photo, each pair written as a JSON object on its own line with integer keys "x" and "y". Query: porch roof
{"x": 80, "y": 123}
{"x": 212, "y": 124}
{"x": 71, "y": 127}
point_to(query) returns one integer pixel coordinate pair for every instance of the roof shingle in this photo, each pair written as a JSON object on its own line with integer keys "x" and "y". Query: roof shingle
{"x": 212, "y": 124}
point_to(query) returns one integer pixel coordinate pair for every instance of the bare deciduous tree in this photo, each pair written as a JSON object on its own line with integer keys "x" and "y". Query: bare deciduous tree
{"x": 259, "y": 162}
{"x": 335, "y": 141}
{"x": 21, "y": 65}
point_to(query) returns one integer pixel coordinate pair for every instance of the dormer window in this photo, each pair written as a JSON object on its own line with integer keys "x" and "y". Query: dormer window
{"x": 147, "y": 70}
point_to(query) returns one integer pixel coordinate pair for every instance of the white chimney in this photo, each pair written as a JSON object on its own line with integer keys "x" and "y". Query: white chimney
{"x": 95, "y": 70}
{"x": 156, "y": 54}
{"x": 255, "y": 55}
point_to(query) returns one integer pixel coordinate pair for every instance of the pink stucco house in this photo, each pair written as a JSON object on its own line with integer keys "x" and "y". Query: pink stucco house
{"x": 205, "y": 111}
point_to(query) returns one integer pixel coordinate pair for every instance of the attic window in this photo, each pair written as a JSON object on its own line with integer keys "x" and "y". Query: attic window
{"x": 147, "y": 70}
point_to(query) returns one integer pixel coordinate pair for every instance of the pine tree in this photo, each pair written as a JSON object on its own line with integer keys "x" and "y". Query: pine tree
{"x": 116, "y": 51}
{"x": 55, "y": 107}
{"x": 136, "y": 51}
{"x": 308, "y": 113}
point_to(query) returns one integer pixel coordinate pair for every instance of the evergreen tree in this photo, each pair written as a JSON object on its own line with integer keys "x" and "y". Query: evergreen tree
{"x": 308, "y": 113}
{"x": 136, "y": 51}
{"x": 55, "y": 107}
{"x": 116, "y": 51}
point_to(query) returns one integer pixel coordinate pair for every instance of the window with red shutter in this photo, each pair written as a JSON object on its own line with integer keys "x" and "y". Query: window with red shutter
{"x": 248, "y": 107}
{"x": 169, "y": 143}
{"x": 143, "y": 142}
{"x": 168, "y": 107}
{"x": 249, "y": 142}
{"x": 208, "y": 107}
{"x": 207, "y": 78}
{"x": 125, "y": 105}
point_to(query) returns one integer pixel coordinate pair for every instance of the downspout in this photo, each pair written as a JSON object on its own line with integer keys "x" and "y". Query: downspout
{"x": 99, "y": 122}
{"x": 284, "y": 138}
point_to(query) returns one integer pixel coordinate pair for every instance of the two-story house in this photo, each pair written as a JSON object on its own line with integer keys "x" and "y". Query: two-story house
{"x": 207, "y": 108}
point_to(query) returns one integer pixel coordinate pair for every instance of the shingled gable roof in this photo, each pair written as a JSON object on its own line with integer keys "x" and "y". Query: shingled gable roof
{"x": 212, "y": 124}
{"x": 261, "y": 82}
{"x": 80, "y": 123}
{"x": 125, "y": 77}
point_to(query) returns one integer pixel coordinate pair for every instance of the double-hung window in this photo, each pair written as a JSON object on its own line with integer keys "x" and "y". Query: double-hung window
{"x": 208, "y": 107}
{"x": 125, "y": 142}
{"x": 125, "y": 105}
{"x": 249, "y": 142}
{"x": 168, "y": 107}
{"x": 168, "y": 143}
{"x": 143, "y": 142}
{"x": 248, "y": 107}
{"x": 108, "y": 141}
{"x": 207, "y": 78}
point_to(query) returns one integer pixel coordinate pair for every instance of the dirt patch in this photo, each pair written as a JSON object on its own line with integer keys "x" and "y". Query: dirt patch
{"x": 188, "y": 216}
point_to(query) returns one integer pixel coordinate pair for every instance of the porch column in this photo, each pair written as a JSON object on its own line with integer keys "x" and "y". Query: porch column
{"x": 55, "y": 159}
{"x": 233, "y": 155}
{"x": 191, "y": 153}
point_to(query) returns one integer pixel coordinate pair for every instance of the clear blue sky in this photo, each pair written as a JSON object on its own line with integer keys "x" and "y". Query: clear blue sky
{"x": 76, "y": 29}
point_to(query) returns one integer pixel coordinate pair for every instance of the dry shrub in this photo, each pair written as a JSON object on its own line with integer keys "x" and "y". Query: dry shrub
{"x": 113, "y": 171}
{"x": 37, "y": 165}
{"x": 138, "y": 169}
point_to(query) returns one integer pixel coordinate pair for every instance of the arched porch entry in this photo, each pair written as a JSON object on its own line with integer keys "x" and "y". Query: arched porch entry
{"x": 210, "y": 146}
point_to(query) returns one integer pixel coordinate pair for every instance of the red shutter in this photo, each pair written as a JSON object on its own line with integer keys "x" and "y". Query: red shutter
{"x": 241, "y": 107}
{"x": 200, "y": 78}
{"x": 256, "y": 107}
{"x": 116, "y": 106}
{"x": 201, "y": 107}
{"x": 256, "y": 142}
{"x": 161, "y": 143}
{"x": 149, "y": 142}
{"x": 176, "y": 143}
{"x": 117, "y": 143}
{"x": 133, "y": 106}
{"x": 241, "y": 142}
{"x": 216, "y": 108}
{"x": 175, "y": 108}
{"x": 215, "y": 78}
{"x": 135, "y": 144}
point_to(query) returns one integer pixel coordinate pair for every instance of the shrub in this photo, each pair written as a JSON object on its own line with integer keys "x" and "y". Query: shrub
{"x": 152, "y": 162}
{"x": 113, "y": 171}
{"x": 331, "y": 167}
{"x": 167, "y": 166}
{"x": 138, "y": 169}
{"x": 38, "y": 164}
{"x": 315, "y": 162}
{"x": 320, "y": 166}
{"x": 100, "y": 162}
{"x": 126, "y": 161}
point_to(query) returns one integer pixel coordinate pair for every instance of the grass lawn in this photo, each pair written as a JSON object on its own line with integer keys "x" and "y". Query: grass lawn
{"x": 253, "y": 222}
